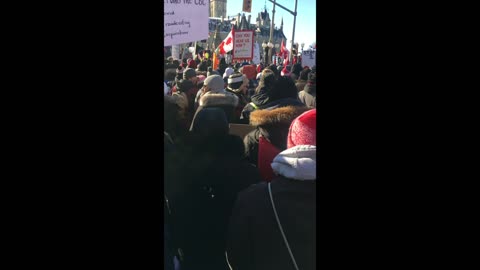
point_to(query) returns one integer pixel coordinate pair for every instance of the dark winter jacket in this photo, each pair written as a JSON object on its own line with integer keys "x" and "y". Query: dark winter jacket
{"x": 309, "y": 95}
{"x": 242, "y": 102}
{"x": 175, "y": 121}
{"x": 203, "y": 181}
{"x": 190, "y": 90}
{"x": 273, "y": 124}
{"x": 224, "y": 100}
{"x": 254, "y": 238}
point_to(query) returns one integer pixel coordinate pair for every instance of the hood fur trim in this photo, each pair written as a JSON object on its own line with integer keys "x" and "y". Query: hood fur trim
{"x": 283, "y": 115}
{"x": 218, "y": 99}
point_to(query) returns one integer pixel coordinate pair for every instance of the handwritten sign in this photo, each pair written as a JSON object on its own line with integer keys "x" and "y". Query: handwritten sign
{"x": 243, "y": 45}
{"x": 309, "y": 58}
{"x": 185, "y": 21}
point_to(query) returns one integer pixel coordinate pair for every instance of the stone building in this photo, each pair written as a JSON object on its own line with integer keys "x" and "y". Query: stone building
{"x": 219, "y": 27}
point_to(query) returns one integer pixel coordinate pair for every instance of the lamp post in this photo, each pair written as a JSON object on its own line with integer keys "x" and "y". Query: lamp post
{"x": 270, "y": 45}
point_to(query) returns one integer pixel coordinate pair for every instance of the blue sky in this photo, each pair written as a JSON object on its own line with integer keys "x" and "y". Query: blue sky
{"x": 305, "y": 27}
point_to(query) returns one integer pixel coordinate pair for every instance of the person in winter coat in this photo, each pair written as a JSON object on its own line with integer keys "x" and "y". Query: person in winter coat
{"x": 222, "y": 66}
{"x": 309, "y": 94}
{"x": 187, "y": 89}
{"x": 296, "y": 69}
{"x": 261, "y": 95}
{"x": 273, "y": 118}
{"x": 203, "y": 180}
{"x": 237, "y": 85}
{"x": 214, "y": 95}
{"x": 175, "y": 121}
{"x": 302, "y": 80}
{"x": 254, "y": 239}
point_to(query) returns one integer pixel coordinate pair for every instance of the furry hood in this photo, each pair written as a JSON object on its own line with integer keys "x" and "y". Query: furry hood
{"x": 218, "y": 99}
{"x": 282, "y": 115}
{"x": 298, "y": 163}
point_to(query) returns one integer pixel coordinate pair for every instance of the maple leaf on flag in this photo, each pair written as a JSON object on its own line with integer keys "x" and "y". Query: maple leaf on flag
{"x": 226, "y": 45}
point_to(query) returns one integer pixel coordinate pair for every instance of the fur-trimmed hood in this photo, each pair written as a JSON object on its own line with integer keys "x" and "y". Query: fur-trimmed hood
{"x": 282, "y": 115}
{"x": 299, "y": 163}
{"x": 218, "y": 99}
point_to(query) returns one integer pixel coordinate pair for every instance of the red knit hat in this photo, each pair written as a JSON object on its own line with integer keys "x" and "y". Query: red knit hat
{"x": 303, "y": 130}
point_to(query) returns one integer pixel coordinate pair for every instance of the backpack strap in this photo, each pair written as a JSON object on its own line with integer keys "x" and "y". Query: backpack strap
{"x": 280, "y": 226}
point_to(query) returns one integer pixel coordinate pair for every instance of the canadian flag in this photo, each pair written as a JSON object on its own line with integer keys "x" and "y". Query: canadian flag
{"x": 226, "y": 45}
{"x": 283, "y": 50}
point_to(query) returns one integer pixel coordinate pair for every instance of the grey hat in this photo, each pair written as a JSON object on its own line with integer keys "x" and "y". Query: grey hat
{"x": 189, "y": 73}
{"x": 215, "y": 83}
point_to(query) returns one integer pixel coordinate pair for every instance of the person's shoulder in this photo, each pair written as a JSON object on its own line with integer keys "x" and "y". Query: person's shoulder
{"x": 252, "y": 192}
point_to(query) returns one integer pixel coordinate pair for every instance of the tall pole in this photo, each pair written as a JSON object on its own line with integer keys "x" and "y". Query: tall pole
{"x": 293, "y": 31}
{"x": 269, "y": 59}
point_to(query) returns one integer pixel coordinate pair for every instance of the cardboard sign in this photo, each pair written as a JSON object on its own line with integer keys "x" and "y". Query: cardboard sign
{"x": 240, "y": 130}
{"x": 185, "y": 21}
{"x": 243, "y": 45}
{"x": 309, "y": 58}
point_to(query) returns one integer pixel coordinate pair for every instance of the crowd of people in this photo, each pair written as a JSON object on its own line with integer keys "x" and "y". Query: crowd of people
{"x": 236, "y": 202}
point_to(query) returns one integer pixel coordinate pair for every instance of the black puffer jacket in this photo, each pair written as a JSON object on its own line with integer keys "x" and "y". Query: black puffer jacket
{"x": 254, "y": 239}
{"x": 273, "y": 124}
{"x": 204, "y": 178}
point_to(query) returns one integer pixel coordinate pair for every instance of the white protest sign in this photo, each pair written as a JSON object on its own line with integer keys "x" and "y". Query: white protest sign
{"x": 243, "y": 44}
{"x": 309, "y": 58}
{"x": 175, "y": 51}
{"x": 256, "y": 54}
{"x": 185, "y": 21}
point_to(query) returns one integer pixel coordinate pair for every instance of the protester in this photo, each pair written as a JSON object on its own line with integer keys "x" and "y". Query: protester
{"x": 296, "y": 69}
{"x": 185, "y": 93}
{"x": 203, "y": 180}
{"x": 237, "y": 85}
{"x": 261, "y": 95}
{"x": 286, "y": 71}
{"x": 302, "y": 80}
{"x": 309, "y": 94}
{"x": 175, "y": 121}
{"x": 214, "y": 95}
{"x": 222, "y": 66}
{"x": 255, "y": 239}
{"x": 273, "y": 119}
{"x": 276, "y": 71}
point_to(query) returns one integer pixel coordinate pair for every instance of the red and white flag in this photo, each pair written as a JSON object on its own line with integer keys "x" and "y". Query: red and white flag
{"x": 226, "y": 45}
{"x": 283, "y": 50}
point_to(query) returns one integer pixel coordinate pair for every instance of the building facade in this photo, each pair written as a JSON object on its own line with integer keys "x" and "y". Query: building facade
{"x": 219, "y": 27}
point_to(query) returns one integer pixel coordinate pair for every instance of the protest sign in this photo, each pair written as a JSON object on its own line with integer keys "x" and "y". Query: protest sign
{"x": 243, "y": 45}
{"x": 309, "y": 58}
{"x": 185, "y": 21}
{"x": 175, "y": 51}
{"x": 256, "y": 54}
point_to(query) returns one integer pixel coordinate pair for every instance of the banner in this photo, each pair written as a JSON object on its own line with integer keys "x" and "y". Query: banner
{"x": 243, "y": 44}
{"x": 247, "y": 6}
{"x": 309, "y": 58}
{"x": 185, "y": 21}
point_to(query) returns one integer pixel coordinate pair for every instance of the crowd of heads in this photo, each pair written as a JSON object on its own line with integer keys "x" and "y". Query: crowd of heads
{"x": 211, "y": 170}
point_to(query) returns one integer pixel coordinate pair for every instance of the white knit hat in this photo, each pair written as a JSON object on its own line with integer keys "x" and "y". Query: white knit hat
{"x": 228, "y": 72}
